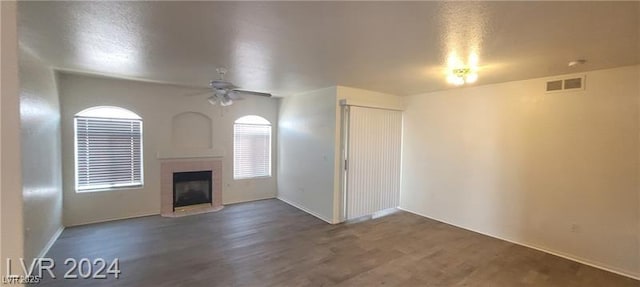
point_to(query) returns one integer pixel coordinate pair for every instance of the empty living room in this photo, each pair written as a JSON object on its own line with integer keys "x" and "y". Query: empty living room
{"x": 320, "y": 143}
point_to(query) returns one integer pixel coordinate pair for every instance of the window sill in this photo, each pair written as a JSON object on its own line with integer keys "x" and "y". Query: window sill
{"x": 120, "y": 188}
{"x": 257, "y": 177}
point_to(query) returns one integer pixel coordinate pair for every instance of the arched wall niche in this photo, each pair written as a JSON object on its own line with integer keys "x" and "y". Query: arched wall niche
{"x": 191, "y": 130}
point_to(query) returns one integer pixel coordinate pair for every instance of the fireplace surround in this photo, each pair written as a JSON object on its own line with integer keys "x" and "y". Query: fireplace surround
{"x": 198, "y": 184}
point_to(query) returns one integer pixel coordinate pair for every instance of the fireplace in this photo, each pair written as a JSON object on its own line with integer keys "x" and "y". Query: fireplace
{"x": 170, "y": 167}
{"x": 191, "y": 188}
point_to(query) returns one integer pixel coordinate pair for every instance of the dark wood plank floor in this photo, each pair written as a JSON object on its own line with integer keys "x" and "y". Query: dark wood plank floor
{"x": 269, "y": 243}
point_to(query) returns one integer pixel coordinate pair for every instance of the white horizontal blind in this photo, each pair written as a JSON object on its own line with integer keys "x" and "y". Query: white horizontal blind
{"x": 108, "y": 153}
{"x": 373, "y": 161}
{"x": 251, "y": 150}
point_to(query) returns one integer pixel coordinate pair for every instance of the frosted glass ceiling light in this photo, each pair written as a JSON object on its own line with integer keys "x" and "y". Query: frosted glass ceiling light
{"x": 458, "y": 73}
{"x": 471, "y": 78}
{"x": 226, "y": 101}
{"x": 212, "y": 100}
{"x": 460, "y": 76}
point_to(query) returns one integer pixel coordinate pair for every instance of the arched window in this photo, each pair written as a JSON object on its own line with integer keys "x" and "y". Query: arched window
{"x": 251, "y": 147}
{"x": 108, "y": 149}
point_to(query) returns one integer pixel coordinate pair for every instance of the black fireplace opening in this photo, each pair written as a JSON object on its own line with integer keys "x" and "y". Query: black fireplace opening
{"x": 193, "y": 187}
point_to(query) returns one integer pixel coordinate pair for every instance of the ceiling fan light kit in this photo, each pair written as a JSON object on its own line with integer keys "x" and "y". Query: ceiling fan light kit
{"x": 224, "y": 93}
{"x": 224, "y": 101}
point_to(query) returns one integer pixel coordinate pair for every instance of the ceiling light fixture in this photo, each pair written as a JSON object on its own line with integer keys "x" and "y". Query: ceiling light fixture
{"x": 460, "y": 76}
{"x": 225, "y": 101}
{"x": 459, "y": 73}
{"x": 213, "y": 100}
{"x": 577, "y": 62}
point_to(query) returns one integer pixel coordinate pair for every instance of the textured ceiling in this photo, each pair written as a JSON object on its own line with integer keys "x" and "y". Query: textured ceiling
{"x": 290, "y": 47}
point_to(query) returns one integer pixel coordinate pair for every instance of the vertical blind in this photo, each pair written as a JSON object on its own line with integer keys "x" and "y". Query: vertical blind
{"x": 108, "y": 153}
{"x": 251, "y": 150}
{"x": 374, "y": 152}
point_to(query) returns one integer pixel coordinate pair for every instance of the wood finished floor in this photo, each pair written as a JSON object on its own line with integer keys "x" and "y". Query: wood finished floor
{"x": 269, "y": 243}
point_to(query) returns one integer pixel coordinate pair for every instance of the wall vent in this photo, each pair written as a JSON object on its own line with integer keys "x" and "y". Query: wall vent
{"x": 554, "y": 86}
{"x": 574, "y": 83}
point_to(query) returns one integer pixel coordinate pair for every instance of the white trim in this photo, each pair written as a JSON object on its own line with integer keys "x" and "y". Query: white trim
{"x": 364, "y": 104}
{"x": 158, "y": 213}
{"x": 248, "y": 200}
{"x": 106, "y": 187}
{"x": 237, "y": 174}
{"x": 50, "y": 243}
{"x": 583, "y": 78}
{"x": 252, "y": 120}
{"x": 113, "y": 219}
{"x": 298, "y": 206}
{"x": 108, "y": 112}
{"x": 384, "y": 212}
{"x": 571, "y": 257}
{"x": 375, "y": 215}
{"x": 169, "y": 154}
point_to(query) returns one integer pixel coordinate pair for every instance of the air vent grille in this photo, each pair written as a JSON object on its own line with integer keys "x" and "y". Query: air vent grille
{"x": 575, "y": 83}
{"x": 568, "y": 84}
{"x": 554, "y": 85}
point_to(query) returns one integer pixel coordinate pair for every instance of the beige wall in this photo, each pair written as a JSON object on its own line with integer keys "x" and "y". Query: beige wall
{"x": 306, "y": 151}
{"x": 638, "y": 178}
{"x": 157, "y": 104}
{"x": 555, "y": 171}
{"x": 368, "y": 98}
{"x": 41, "y": 165}
{"x": 310, "y": 170}
{"x": 11, "y": 217}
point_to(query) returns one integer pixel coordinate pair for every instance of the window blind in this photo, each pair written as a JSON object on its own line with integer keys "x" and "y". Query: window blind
{"x": 251, "y": 150}
{"x": 108, "y": 153}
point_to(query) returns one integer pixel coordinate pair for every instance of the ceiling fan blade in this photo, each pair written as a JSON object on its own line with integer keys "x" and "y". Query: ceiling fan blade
{"x": 252, "y": 93}
{"x": 235, "y": 96}
{"x": 223, "y": 85}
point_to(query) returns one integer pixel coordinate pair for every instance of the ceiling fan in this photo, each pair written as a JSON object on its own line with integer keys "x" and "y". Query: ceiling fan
{"x": 224, "y": 93}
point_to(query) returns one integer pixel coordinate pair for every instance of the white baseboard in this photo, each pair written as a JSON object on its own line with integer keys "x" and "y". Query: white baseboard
{"x": 249, "y": 200}
{"x": 375, "y": 215}
{"x": 299, "y": 206}
{"x": 112, "y": 219}
{"x": 50, "y": 243}
{"x": 150, "y": 214}
{"x": 571, "y": 257}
